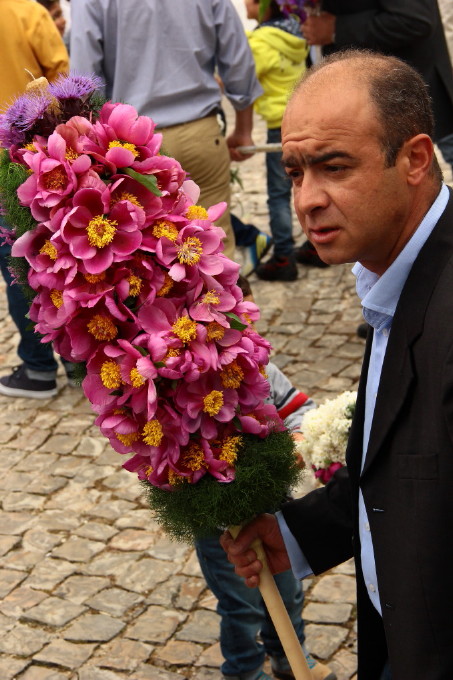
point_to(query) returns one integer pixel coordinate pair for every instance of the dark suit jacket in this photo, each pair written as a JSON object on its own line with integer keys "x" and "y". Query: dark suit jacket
{"x": 407, "y": 483}
{"x": 409, "y": 29}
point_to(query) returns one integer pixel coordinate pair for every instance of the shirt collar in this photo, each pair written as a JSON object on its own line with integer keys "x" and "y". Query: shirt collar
{"x": 380, "y": 294}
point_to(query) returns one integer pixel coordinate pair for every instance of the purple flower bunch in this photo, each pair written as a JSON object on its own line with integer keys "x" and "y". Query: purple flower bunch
{"x": 130, "y": 279}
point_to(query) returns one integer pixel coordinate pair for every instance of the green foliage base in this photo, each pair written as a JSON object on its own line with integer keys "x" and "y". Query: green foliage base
{"x": 266, "y": 469}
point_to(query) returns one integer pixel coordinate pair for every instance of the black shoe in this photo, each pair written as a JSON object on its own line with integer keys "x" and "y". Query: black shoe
{"x": 18, "y": 384}
{"x": 307, "y": 254}
{"x": 362, "y": 330}
{"x": 278, "y": 268}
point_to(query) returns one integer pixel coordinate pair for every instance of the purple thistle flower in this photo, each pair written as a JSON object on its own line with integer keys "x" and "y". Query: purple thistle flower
{"x": 36, "y": 107}
{"x": 74, "y": 86}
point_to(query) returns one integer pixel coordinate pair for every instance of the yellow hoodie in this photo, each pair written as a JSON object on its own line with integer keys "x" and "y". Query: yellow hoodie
{"x": 280, "y": 61}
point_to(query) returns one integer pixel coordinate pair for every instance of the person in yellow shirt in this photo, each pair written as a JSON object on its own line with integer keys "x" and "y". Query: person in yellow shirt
{"x": 30, "y": 44}
{"x": 30, "y": 47}
{"x": 280, "y": 54}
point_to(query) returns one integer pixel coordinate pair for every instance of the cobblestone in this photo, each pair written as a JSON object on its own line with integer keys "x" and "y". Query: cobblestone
{"x": 91, "y": 587}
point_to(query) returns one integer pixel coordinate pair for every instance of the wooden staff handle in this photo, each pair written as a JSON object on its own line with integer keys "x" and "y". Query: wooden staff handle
{"x": 279, "y": 615}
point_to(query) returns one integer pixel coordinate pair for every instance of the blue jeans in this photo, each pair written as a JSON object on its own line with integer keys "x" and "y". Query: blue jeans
{"x": 279, "y": 199}
{"x": 243, "y": 613}
{"x": 36, "y": 355}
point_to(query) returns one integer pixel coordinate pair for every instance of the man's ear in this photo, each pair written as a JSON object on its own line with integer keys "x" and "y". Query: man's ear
{"x": 417, "y": 156}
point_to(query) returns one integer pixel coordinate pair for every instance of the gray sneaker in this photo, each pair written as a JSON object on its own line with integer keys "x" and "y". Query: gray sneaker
{"x": 18, "y": 384}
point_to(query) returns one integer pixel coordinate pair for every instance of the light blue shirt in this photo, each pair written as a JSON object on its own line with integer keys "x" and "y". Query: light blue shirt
{"x": 379, "y": 296}
{"x": 160, "y": 55}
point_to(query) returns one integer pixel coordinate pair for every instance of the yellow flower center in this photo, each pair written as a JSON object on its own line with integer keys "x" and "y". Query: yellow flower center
{"x": 152, "y": 433}
{"x": 232, "y": 375}
{"x": 211, "y": 298}
{"x": 102, "y": 328}
{"x": 57, "y": 298}
{"x": 71, "y": 155}
{"x": 49, "y": 249}
{"x": 126, "y": 196}
{"x": 101, "y": 231}
{"x": 55, "y": 179}
{"x": 190, "y": 251}
{"x": 230, "y": 448}
{"x": 215, "y": 331}
{"x": 136, "y": 378}
{"x": 127, "y": 439}
{"x": 213, "y": 402}
{"x": 197, "y": 212}
{"x": 165, "y": 228}
{"x": 172, "y": 352}
{"x": 262, "y": 370}
{"x": 94, "y": 278}
{"x": 124, "y": 145}
{"x": 166, "y": 286}
{"x": 111, "y": 375}
{"x": 174, "y": 479}
{"x": 185, "y": 329}
{"x": 148, "y": 470}
{"x": 135, "y": 285}
{"x": 193, "y": 457}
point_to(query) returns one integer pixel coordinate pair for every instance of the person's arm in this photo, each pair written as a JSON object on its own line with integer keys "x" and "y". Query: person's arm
{"x": 48, "y": 46}
{"x": 390, "y": 27}
{"x": 242, "y": 133}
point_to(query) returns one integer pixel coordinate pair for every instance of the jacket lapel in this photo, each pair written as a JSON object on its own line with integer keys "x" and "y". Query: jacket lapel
{"x": 397, "y": 371}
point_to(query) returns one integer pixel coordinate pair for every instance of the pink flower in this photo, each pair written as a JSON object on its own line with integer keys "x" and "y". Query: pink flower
{"x": 51, "y": 263}
{"x": 204, "y": 402}
{"x": 325, "y": 474}
{"x": 54, "y": 177}
{"x": 98, "y": 234}
{"x": 209, "y": 306}
{"x": 193, "y": 252}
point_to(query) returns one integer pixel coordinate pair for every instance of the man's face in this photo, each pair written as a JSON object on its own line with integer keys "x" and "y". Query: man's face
{"x": 351, "y": 207}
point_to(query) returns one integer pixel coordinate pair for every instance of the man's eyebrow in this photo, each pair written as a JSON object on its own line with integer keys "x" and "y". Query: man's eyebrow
{"x": 296, "y": 161}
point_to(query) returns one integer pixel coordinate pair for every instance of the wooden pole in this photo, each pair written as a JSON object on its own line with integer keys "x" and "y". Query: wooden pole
{"x": 279, "y": 615}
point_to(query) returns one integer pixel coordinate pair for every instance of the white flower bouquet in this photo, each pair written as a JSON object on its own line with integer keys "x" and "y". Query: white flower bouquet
{"x": 326, "y": 431}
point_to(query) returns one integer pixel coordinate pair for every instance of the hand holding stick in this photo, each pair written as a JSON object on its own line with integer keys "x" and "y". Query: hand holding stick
{"x": 279, "y": 615}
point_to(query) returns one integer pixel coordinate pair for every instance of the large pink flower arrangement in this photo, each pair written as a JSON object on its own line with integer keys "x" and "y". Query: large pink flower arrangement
{"x": 130, "y": 279}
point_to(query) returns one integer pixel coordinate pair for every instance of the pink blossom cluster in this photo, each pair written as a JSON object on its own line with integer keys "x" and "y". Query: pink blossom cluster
{"x": 130, "y": 278}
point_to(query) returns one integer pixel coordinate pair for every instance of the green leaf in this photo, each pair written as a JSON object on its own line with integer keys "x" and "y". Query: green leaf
{"x": 148, "y": 181}
{"x": 235, "y": 322}
{"x": 142, "y": 350}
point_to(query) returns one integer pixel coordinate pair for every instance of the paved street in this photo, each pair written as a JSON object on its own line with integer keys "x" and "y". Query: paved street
{"x": 90, "y": 587}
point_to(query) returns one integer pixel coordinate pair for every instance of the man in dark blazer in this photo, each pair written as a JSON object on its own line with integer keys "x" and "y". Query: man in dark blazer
{"x": 367, "y": 188}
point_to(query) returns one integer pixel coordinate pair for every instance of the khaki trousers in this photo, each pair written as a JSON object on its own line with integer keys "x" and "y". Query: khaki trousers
{"x": 203, "y": 153}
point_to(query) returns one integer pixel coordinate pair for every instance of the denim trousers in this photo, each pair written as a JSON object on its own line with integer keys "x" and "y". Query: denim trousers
{"x": 243, "y": 613}
{"x": 279, "y": 199}
{"x": 36, "y": 356}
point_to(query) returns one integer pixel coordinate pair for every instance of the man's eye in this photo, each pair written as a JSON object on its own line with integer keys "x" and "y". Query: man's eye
{"x": 335, "y": 168}
{"x": 295, "y": 175}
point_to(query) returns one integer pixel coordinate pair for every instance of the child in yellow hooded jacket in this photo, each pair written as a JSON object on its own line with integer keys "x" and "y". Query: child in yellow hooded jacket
{"x": 280, "y": 54}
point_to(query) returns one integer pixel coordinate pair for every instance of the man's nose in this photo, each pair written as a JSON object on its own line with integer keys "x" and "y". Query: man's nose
{"x": 310, "y": 195}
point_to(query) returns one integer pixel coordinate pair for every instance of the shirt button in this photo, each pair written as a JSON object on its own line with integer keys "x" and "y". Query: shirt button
{"x": 367, "y": 526}
{"x": 372, "y": 588}
{"x": 385, "y": 332}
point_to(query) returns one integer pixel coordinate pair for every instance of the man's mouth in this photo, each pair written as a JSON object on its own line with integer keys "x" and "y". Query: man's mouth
{"x": 322, "y": 235}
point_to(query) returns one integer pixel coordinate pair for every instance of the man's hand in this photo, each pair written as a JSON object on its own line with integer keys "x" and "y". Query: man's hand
{"x": 241, "y": 553}
{"x": 319, "y": 29}
{"x": 236, "y": 140}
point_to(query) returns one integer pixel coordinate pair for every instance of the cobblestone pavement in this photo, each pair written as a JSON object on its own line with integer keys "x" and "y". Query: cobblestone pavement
{"x": 90, "y": 587}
